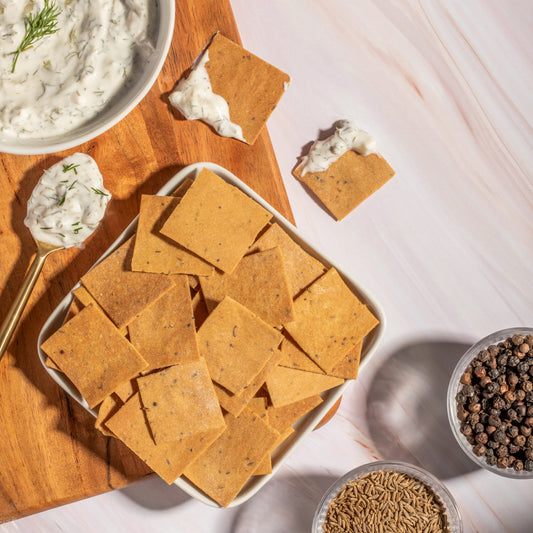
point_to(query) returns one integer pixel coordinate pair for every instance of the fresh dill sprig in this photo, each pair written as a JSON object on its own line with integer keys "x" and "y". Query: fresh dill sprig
{"x": 64, "y": 197}
{"x": 98, "y": 191}
{"x": 36, "y": 27}
{"x": 72, "y": 166}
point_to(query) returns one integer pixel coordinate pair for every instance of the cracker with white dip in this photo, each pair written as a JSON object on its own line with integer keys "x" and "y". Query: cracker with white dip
{"x": 344, "y": 169}
{"x": 230, "y": 89}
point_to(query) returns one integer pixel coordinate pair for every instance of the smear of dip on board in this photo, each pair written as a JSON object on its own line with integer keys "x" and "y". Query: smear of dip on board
{"x": 67, "y": 77}
{"x": 347, "y": 137}
{"x": 68, "y": 203}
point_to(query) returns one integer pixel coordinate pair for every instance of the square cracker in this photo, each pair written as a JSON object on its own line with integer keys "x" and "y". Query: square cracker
{"x": 164, "y": 333}
{"x": 348, "y": 368}
{"x": 288, "y": 385}
{"x": 330, "y": 320}
{"x": 236, "y": 344}
{"x": 293, "y": 357}
{"x": 251, "y": 87}
{"x": 265, "y": 465}
{"x": 93, "y": 354}
{"x": 121, "y": 293}
{"x": 258, "y": 282}
{"x": 281, "y": 418}
{"x": 347, "y": 182}
{"x": 83, "y": 297}
{"x": 223, "y": 469}
{"x": 180, "y": 401}
{"x": 167, "y": 459}
{"x": 109, "y": 406}
{"x": 301, "y": 268}
{"x": 216, "y": 221}
{"x": 235, "y": 403}
{"x": 156, "y": 253}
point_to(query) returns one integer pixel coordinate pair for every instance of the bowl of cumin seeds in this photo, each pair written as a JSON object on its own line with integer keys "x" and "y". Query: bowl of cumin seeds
{"x": 385, "y": 497}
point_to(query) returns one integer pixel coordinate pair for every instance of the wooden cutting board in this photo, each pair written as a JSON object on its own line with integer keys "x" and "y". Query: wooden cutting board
{"x": 50, "y": 453}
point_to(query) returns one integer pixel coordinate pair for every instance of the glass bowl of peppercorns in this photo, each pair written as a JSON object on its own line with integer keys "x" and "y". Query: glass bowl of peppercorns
{"x": 490, "y": 403}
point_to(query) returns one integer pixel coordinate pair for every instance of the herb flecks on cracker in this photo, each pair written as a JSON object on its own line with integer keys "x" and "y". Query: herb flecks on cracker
{"x": 216, "y": 221}
{"x": 259, "y": 282}
{"x": 236, "y": 344}
{"x": 347, "y": 182}
{"x": 330, "y": 320}
{"x": 93, "y": 354}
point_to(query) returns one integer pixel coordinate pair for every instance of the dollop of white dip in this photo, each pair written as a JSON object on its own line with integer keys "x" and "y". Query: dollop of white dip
{"x": 68, "y": 203}
{"x": 347, "y": 137}
{"x": 195, "y": 100}
{"x": 68, "y": 77}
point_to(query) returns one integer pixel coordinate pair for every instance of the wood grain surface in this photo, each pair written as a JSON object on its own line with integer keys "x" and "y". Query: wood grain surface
{"x": 50, "y": 453}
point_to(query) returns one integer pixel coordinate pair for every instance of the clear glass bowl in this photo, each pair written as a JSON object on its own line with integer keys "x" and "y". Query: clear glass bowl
{"x": 455, "y": 523}
{"x": 454, "y": 388}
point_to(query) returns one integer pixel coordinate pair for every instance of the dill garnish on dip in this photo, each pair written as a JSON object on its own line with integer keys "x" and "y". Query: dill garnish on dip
{"x": 62, "y": 61}
{"x": 68, "y": 203}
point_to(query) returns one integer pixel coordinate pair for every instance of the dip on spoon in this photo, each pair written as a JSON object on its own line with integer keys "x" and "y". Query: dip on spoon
{"x": 64, "y": 209}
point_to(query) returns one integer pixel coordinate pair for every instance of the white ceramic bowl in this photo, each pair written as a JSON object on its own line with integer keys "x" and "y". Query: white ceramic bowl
{"x": 121, "y": 105}
{"x": 452, "y": 511}
{"x": 307, "y": 423}
{"x": 455, "y": 386}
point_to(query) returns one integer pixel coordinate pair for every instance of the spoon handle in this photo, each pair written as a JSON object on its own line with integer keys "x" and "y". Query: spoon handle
{"x": 14, "y": 314}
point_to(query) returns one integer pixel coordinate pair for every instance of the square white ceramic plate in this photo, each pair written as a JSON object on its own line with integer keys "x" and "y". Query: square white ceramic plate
{"x": 307, "y": 423}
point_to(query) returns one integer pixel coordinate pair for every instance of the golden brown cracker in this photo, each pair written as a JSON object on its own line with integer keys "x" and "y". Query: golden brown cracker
{"x": 164, "y": 333}
{"x": 73, "y": 309}
{"x": 216, "y": 221}
{"x": 168, "y": 459}
{"x": 251, "y": 87}
{"x": 329, "y": 320}
{"x": 156, "y": 253}
{"x": 109, "y": 406}
{"x": 121, "y": 293}
{"x": 180, "y": 401}
{"x": 84, "y": 298}
{"x": 281, "y": 418}
{"x": 223, "y": 469}
{"x": 301, "y": 268}
{"x": 199, "y": 309}
{"x": 265, "y": 465}
{"x": 93, "y": 354}
{"x": 50, "y": 364}
{"x": 259, "y": 282}
{"x": 235, "y": 403}
{"x": 236, "y": 344}
{"x": 347, "y": 182}
{"x": 126, "y": 390}
{"x": 182, "y": 188}
{"x": 348, "y": 368}
{"x": 288, "y": 385}
{"x": 293, "y": 357}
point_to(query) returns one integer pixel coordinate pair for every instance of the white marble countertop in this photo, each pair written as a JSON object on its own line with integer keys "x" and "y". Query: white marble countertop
{"x": 446, "y": 246}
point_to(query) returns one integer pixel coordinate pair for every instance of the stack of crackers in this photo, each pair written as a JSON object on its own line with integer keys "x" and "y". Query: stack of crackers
{"x": 203, "y": 338}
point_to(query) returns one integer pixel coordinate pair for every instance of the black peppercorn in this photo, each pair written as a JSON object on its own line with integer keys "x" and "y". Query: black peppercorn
{"x": 499, "y": 436}
{"x": 494, "y": 420}
{"x": 466, "y": 429}
{"x": 482, "y": 438}
{"x": 517, "y": 339}
{"x": 513, "y": 360}
{"x": 525, "y": 430}
{"x": 528, "y": 465}
{"x": 479, "y": 449}
{"x": 512, "y": 431}
{"x": 529, "y": 453}
{"x": 518, "y": 465}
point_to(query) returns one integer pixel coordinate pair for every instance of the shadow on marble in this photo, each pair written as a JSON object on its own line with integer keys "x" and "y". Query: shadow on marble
{"x": 268, "y": 509}
{"x": 155, "y": 494}
{"x": 406, "y": 408}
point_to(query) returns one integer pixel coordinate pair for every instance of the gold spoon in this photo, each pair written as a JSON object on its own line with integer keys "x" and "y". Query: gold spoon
{"x": 13, "y": 316}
